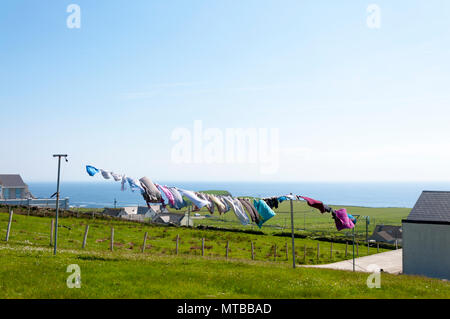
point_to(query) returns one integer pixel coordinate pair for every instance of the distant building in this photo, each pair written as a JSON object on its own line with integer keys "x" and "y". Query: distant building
{"x": 177, "y": 219}
{"x": 387, "y": 234}
{"x": 13, "y": 187}
{"x": 139, "y": 213}
{"x": 426, "y": 236}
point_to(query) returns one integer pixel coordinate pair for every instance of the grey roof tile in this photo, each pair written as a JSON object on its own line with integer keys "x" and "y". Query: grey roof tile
{"x": 431, "y": 206}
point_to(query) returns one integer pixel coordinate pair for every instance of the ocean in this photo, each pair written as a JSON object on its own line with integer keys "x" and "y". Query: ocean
{"x": 374, "y": 194}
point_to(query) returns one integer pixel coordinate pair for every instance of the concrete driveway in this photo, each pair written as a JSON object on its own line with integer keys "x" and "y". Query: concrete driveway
{"x": 390, "y": 262}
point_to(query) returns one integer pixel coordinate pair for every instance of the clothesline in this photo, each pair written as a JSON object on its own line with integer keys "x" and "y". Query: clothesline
{"x": 260, "y": 211}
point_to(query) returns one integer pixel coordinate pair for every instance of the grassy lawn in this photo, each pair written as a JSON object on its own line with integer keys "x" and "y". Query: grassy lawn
{"x": 29, "y": 273}
{"x": 128, "y": 236}
{"x": 29, "y": 270}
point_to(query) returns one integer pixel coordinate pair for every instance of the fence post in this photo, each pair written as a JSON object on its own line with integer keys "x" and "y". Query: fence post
{"x": 112, "y": 239}
{"x": 203, "y": 246}
{"x": 228, "y": 245}
{"x": 286, "y": 251}
{"x": 318, "y": 252}
{"x": 378, "y": 247}
{"x": 85, "y": 236}
{"x": 346, "y": 249}
{"x": 253, "y": 253}
{"x": 331, "y": 251}
{"x": 8, "y": 230}
{"x": 52, "y": 229}
{"x": 304, "y": 254}
{"x": 178, "y": 240}
{"x": 145, "y": 241}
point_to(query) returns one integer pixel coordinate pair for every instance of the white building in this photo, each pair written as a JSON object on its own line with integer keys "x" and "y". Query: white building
{"x": 426, "y": 236}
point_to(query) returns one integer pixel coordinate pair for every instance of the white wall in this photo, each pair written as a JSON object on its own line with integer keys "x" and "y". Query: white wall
{"x": 426, "y": 250}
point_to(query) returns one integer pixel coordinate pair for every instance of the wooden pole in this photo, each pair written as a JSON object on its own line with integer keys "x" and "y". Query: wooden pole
{"x": 145, "y": 241}
{"x": 85, "y": 236}
{"x": 318, "y": 252}
{"x": 287, "y": 251}
{"x": 346, "y": 249}
{"x": 253, "y": 253}
{"x": 228, "y": 245}
{"x": 203, "y": 246}
{"x": 112, "y": 239}
{"x": 8, "y": 230}
{"x": 52, "y": 229}
{"x": 178, "y": 240}
{"x": 331, "y": 251}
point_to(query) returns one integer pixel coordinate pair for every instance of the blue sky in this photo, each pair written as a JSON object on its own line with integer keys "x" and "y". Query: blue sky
{"x": 351, "y": 103}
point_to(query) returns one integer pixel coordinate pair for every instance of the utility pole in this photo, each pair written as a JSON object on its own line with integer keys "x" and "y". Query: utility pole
{"x": 357, "y": 216}
{"x": 57, "y": 199}
{"x": 292, "y": 233}
{"x": 115, "y": 203}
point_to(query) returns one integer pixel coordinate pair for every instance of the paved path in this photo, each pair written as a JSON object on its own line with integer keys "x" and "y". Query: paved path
{"x": 390, "y": 262}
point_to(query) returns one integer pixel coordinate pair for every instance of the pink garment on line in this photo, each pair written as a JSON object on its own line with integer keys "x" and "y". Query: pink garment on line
{"x": 314, "y": 203}
{"x": 168, "y": 194}
{"x": 342, "y": 220}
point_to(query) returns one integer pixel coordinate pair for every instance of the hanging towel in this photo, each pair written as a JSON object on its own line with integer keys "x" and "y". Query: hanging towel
{"x": 178, "y": 198}
{"x": 342, "y": 219}
{"x": 197, "y": 201}
{"x": 210, "y": 206}
{"x": 117, "y": 177}
{"x": 238, "y": 209}
{"x": 220, "y": 206}
{"x": 251, "y": 210}
{"x": 91, "y": 170}
{"x": 151, "y": 193}
{"x": 168, "y": 194}
{"x": 135, "y": 184}
{"x": 105, "y": 174}
{"x": 316, "y": 204}
{"x": 264, "y": 211}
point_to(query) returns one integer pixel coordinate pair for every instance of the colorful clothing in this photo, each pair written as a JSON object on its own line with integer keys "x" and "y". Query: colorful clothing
{"x": 342, "y": 219}
{"x": 264, "y": 211}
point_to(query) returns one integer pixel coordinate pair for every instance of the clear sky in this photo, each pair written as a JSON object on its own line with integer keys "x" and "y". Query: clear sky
{"x": 351, "y": 103}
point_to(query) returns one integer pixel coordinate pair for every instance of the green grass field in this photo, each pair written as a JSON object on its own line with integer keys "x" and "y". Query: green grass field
{"x": 29, "y": 270}
{"x": 128, "y": 236}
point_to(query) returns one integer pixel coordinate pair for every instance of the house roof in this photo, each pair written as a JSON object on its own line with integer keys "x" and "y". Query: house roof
{"x": 11, "y": 180}
{"x": 393, "y": 231}
{"x": 170, "y": 217}
{"x": 432, "y": 206}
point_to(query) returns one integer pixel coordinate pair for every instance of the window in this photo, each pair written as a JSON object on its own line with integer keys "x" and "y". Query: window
{"x": 18, "y": 193}
{"x": 5, "y": 193}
